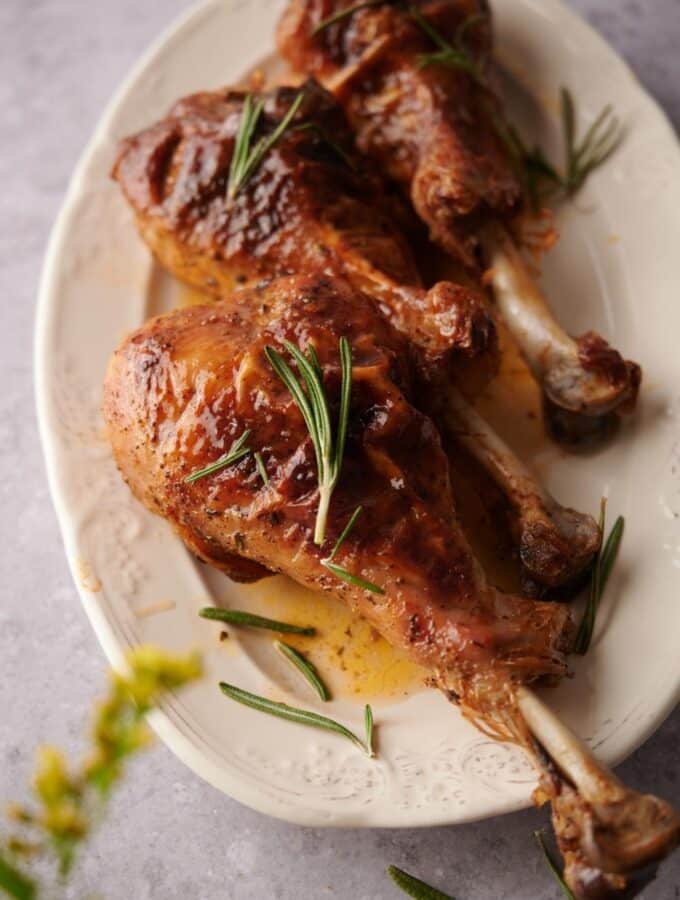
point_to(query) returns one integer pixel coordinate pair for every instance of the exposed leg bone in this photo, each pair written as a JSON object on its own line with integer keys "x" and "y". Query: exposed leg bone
{"x": 555, "y": 543}
{"x": 583, "y": 376}
{"x": 614, "y": 829}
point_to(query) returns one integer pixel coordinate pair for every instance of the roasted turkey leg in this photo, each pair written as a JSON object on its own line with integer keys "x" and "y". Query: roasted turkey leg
{"x": 314, "y": 207}
{"x": 436, "y": 129}
{"x": 185, "y": 386}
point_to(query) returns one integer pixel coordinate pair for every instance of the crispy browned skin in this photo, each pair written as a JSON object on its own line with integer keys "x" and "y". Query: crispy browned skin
{"x": 438, "y": 132}
{"x": 312, "y": 207}
{"x": 450, "y": 332}
{"x": 181, "y": 389}
{"x": 430, "y": 128}
{"x": 308, "y": 207}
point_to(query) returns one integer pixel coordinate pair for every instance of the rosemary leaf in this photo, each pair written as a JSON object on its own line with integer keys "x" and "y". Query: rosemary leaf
{"x": 246, "y": 159}
{"x": 259, "y": 462}
{"x": 14, "y": 883}
{"x": 414, "y": 887}
{"x": 340, "y": 571}
{"x": 344, "y": 575}
{"x": 346, "y": 13}
{"x": 554, "y": 868}
{"x": 610, "y": 552}
{"x": 305, "y": 667}
{"x": 237, "y": 451}
{"x": 368, "y": 725}
{"x": 240, "y": 617}
{"x": 600, "y": 141}
{"x": 249, "y": 119}
{"x": 543, "y": 179}
{"x": 310, "y": 397}
{"x": 314, "y": 360}
{"x": 598, "y": 580}
{"x": 587, "y": 625}
{"x": 345, "y": 397}
{"x": 345, "y": 532}
{"x": 568, "y": 128}
{"x": 290, "y": 713}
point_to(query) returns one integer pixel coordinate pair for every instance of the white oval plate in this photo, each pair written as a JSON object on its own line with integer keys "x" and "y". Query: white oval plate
{"x": 617, "y": 269}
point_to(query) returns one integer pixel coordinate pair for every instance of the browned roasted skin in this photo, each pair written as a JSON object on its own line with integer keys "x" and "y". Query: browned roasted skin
{"x": 313, "y": 206}
{"x": 308, "y": 207}
{"x": 181, "y": 389}
{"x": 431, "y": 128}
{"x": 449, "y": 328}
{"x": 438, "y": 131}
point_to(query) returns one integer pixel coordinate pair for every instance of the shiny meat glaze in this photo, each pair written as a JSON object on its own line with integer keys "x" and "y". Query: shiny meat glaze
{"x": 308, "y": 208}
{"x": 439, "y": 133}
{"x": 181, "y": 389}
{"x": 450, "y": 332}
{"x": 433, "y": 129}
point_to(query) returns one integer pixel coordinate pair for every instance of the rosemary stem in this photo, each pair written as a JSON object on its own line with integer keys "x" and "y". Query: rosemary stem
{"x": 325, "y": 493}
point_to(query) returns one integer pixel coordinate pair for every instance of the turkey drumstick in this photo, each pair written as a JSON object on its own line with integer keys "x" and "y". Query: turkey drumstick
{"x": 185, "y": 387}
{"x": 313, "y": 207}
{"x": 431, "y": 123}
{"x": 182, "y": 389}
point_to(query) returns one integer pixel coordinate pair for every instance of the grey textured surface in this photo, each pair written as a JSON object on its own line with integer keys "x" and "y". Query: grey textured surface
{"x": 169, "y": 836}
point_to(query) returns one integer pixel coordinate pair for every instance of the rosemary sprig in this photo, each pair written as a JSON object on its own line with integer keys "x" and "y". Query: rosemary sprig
{"x": 340, "y": 571}
{"x": 368, "y": 727}
{"x": 554, "y": 868}
{"x": 305, "y": 667}
{"x": 455, "y": 56}
{"x": 310, "y": 397}
{"x": 344, "y": 575}
{"x": 598, "y": 580}
{"x": 259, "y": 462}
{"x": 236, "y": 452}
{"x": 291, "y": 713}
{"x": 414, "y": 887}
{"x": 250, "y": 620}
{"x": 344, "y": 533}
{"x": 601, "y": 140}
{"x": 544, "y": 180}
{"x": 342, "y": 14}
{"x": 246, "y": 158}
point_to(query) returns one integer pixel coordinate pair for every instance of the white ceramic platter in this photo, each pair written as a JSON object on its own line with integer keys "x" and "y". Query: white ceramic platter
{"x": 617, "y": 269}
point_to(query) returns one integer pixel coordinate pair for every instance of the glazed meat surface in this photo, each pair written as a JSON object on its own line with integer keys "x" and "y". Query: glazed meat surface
{"x": 437, "y": 129}
{"x": 433, "y": 128}
{"x": 312, "y": 207}
{"x": 184, "y": 387}
{"x": 452, "y": 338}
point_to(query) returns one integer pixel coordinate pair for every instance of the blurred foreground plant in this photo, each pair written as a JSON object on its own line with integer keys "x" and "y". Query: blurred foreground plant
{"x": 70, "y": 801}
